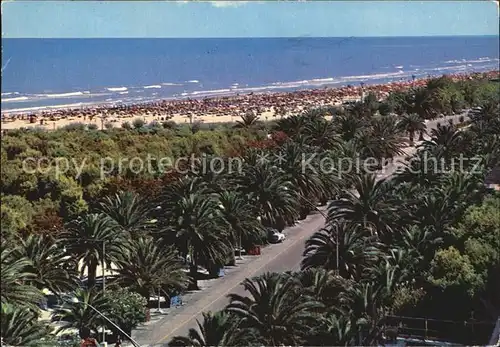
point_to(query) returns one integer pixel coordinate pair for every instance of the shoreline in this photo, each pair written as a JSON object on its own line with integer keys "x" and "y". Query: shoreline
{"x": 216, "y": 109}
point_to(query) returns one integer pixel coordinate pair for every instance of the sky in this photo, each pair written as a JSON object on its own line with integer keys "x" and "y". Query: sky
{"x": 92, "y": 19}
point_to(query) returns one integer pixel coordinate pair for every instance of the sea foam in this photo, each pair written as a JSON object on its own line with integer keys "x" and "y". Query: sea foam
{"x": 64, "y": 95}
{"x": 117, "y": 89}
{"x": 19, "y": 98}
{"x": 216, "y": 91}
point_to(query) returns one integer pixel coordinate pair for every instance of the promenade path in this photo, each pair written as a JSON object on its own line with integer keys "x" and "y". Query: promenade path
{"x": 281, "y": 257}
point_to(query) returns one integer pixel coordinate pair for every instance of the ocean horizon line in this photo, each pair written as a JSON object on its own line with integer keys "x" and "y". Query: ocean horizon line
{"x": 244, "y": 37}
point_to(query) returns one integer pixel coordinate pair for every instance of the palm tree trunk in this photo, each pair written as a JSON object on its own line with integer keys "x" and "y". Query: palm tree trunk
{"x": 92, "y": 273}
{"x": 193, "y": 272}
{"x": 421, "y": 136}
{"x": 412, "y": 135}
{"x": 239, "y": 244}
{"x": 235, "y": 244}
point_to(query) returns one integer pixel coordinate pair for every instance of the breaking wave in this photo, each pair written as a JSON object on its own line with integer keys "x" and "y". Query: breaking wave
{"x": 216, "y": 91}
{"x": 117, "y": 89}
{"x": 19, "y": 98}
{"x": 64, "y": 95}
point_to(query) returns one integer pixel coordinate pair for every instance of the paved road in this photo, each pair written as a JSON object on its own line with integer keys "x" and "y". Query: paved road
{"x": 275, "y": 258}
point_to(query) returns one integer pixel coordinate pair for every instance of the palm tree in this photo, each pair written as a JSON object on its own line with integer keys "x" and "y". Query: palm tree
{"x": 420, "y": 243}
{"x": 146, "y": 266}
{"x": 53, "y": 268}
{"x": 348, "y": 126}
{"x": 465, "y": 189}
{"x": 332, "y": 177}
{"x": 446, "y": 139}
{"x": 434, "y": 211}
{"x": 131, "y": 212}
{"x": 294, "y": 125}
{"x": 241, "y": 217}
{"x": 356, "y": 250}
{"x": 178, "y": 190}
{"x": 487, "y": 113}
{"x": 368, "y": 205}
{"x": 215, "y": 178}
{"x": 368, "y": 145}
{"x": 84, "y": 238}
{"x": 320, "y": 133}
{"x": 362, "y": 303}
{"x": 424, "y": 168}
{"x": 394, "y": 269}
{"x": 419, "y": 101}
{"x": 277, "y": 309}
{"x": 16, "y": 274}
{"x": 336, "y": 330}
{"x": 412, "y": 123}
{"x": 345, "y": 165}
{"x": 271, "y": 193}
{"x": 21, "y": 327}
{"x": 78, "y": 315}
{"x": 386, "y": 140}
{"x": 304, "y": 178}
{"x": 218, "y": 329}
{"x": 396, "y": 102}
{"x": 322, "y": 285}
{"x": 340, "y": 331}
{"x": 197, "y": 226}
{"x": 361, "y": 110}
{"x": 443, "y": 205}
{"x": 248, "y": 120}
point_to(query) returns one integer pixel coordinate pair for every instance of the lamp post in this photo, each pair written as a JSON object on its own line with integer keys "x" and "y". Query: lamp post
{"x": 76, "y": 301}
{"x": 103, "y": 264}
{"x": 103, "y": 281}
{"x": 159, "y": 293}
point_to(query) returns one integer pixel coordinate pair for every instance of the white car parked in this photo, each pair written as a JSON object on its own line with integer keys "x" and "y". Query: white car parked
{"x": 275, "y": 236}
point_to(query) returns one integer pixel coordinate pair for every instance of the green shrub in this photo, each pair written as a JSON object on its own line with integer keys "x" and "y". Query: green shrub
{"x": 127, "y": 309}
{"x": 138, "y": 123}
{"x": 75, "y": 126}
{"x": 170, "y": 124}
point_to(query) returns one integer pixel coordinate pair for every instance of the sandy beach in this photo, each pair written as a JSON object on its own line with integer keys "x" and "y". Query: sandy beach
{"x": 268, "y": 106}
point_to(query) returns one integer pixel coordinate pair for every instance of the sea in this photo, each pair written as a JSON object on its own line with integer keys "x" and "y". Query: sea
{"x": 53, "y": 73}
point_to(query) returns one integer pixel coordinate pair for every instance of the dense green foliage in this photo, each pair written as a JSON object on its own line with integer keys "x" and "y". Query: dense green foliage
{"x": 412, "y": 244}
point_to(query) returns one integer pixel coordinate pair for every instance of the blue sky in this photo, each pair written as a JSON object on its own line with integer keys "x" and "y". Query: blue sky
{"x": 81, "y": 19}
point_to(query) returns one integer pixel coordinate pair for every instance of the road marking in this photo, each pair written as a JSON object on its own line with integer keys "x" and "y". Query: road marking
{"x": 227, "y": 291}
